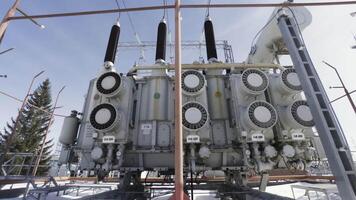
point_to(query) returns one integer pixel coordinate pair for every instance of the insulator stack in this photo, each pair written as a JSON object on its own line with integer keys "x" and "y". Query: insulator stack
{"x": 210, "y": 40}
{"x": 161, "y": 41}
{"x": 112, "y": 44}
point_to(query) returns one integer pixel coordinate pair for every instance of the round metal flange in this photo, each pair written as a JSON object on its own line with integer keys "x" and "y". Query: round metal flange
{"x": 193, "y": 82}
{"x": 109, "y": 83}
{"x": 103, "y": 117}
{"x": 254, "y": 80}
{"x": 291, "y": 80}
{"x": 195, "y": 115}
{"x": 262, "y": 114}
{"x": 301, "y": 113}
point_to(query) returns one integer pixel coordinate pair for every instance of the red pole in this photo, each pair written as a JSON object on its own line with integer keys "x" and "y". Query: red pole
{"x": 179, "y": 193}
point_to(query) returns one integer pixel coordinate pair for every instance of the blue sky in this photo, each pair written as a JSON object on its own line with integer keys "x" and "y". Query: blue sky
{"x": 71, "y": 49}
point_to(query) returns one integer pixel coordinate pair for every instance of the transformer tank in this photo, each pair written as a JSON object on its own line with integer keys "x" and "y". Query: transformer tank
{"x": 240, "y": 122}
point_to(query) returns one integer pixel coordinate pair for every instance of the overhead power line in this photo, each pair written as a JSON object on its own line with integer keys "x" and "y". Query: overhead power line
{"x": 130, "y": 19}
{"x": 118, "y": 7}
{"x": 136, "y": 9}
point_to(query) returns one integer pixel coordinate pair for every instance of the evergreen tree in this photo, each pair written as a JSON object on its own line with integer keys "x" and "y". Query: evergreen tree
{"x": 31, "y": 129}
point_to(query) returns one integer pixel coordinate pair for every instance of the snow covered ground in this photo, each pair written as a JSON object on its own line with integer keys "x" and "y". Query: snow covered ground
{"x": 282, "y": 190}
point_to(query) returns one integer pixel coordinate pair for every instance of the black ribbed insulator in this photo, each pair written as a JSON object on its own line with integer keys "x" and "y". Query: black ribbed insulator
{"x": 210, "y": 40}
{"x": 112, "y": 44}
{"x": 161, "y": 41}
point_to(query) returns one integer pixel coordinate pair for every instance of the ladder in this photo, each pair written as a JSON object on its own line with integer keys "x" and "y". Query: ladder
{"x": 330, "y": 133}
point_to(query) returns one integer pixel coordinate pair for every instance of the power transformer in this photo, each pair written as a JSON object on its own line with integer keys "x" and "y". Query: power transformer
{"x": 249, "y": 118}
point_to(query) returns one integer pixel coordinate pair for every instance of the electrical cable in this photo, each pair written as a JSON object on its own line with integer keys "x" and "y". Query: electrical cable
{"x": 136, "y": 35}
{"x": 207, "y": 13}
{"x": 164, "y": 9}
{"x": 118, "y": 7}
{"x": 130, "y": 19}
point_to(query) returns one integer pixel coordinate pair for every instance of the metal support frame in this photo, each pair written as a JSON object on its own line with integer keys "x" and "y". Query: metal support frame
{"x": 229, "y": 54}
{"x": 46, "y": 134}
{"x": 17, "y": 163}
{"x": 330, "y": 132}
{"x": 8, "y": 142}
{"x": 5, "y": 21}
{"x": 264, "y": 182}
{"x": 145, "y": 45}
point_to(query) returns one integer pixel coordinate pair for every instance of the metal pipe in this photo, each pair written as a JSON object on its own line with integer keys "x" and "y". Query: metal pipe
{"x": 38, "y": 159}
{"x": 237, "y": 5}
{"x": 343, "y": 86}
{"x": 161, "y": 41}
{"x": 112, "y": 43}
{"x": 11, "y": 136}
{"x": 231, "y": 66}
{"x": 179, "y": 193}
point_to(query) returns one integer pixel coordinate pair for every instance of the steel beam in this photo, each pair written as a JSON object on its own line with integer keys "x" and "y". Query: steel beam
{"x": 330, "y": 132}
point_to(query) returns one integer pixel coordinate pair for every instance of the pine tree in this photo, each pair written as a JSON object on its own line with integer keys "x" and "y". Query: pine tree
{"x": 31, "y": 129}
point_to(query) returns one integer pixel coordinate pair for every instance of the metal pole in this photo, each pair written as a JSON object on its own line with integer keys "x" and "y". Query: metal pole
{"x": 5, "y": 21}
{"x": 11, "y": 136}
{"x": 38, "y": 159}
{"x": 179, "y": 193}
{"x": 343, "y": 86}
{"x": 232, "y": 5}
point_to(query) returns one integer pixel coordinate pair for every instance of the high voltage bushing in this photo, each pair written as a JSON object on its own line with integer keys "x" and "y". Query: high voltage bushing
{"x": 112, "y": 44}
{"x": 161, "y": 41}
{"x": 210, "y": 39}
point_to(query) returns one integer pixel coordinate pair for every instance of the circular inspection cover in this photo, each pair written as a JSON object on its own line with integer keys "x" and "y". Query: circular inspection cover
{"x": 103, "y": 116}
{"x": 302, "y": 114}
{"x": 108, "y": 83}
{"x": 195, "y": 115}
{"x": 262, "y": 114}
{"x": 255, "y": 80}
{"x": 192, "y": 81}
{"x": 291, "y": 80}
